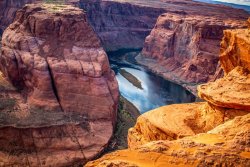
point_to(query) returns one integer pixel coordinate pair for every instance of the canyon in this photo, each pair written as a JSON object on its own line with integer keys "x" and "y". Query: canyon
{"x": 210, "y": 133}
{"x": 58, "y": 93}
{"x": 127, "y": 23}
{"x": 59, "y": 96}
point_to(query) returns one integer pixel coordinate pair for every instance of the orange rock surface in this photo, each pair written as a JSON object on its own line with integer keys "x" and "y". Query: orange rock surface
{"x": 232, "y": 91}
{"x": 177, "y": 121}
{"x": 226, "y": 145}
{"x": 235, "y": 49}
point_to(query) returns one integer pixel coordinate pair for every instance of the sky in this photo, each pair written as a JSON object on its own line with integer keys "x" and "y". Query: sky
{"x": 239, "y": 2}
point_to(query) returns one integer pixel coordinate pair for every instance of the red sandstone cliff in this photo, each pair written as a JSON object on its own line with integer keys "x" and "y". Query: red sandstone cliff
{"x": 185, "y": 48}
{"x": 62, "y": 108}
{"x": 126, "y": 23}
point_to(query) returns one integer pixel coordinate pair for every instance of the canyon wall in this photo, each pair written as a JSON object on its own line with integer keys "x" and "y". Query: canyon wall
{"x": 58, "y": 95}
{"x": 211, "y": 133}
{"x": 120, "y": 25}
{"x": 126, "y": 23}
{"x": 185, "y": 48}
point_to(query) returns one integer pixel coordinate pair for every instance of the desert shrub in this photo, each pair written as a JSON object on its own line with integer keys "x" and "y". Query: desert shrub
{"x": 55, "y": 1}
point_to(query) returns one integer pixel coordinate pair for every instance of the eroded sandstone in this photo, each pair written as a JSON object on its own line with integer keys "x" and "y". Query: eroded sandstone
{"x": 227, "y": 144}
{"x": 185, "y": 48}
{"x": 231, "y": 91}
{"x": 59, "y": 98}
{"x": 235, "y": 49}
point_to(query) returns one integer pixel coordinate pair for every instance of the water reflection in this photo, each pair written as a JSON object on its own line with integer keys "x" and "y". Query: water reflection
{"x": 156, "y": 91}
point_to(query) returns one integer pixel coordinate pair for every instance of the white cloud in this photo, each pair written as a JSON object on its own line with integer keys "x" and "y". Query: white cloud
{"x": 240, "y": 2}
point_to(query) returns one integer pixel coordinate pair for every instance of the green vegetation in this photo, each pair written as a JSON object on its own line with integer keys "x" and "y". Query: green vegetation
{"x": 131, "y": 78}
{"x": 55, "y": 1}
{"x": 126, "y": 118}
{"x": 55, "y": 5}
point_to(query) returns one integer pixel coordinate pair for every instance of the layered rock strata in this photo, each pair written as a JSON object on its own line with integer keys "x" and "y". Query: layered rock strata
{"x": 185, "y": 48}
{"x": 211, "y": 133}
{"x": 58, "y": 105}
{"x": 126, "y": 23}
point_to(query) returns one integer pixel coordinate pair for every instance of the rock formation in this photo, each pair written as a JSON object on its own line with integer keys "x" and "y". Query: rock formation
{"x": 211, "y": 133}
{"x": 185, "y": 48}
{"x": 226, "y": 145}
{"x": 58, "y": 106}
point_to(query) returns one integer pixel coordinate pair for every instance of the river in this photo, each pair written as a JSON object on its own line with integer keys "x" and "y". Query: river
{"x": 155, "y": 91}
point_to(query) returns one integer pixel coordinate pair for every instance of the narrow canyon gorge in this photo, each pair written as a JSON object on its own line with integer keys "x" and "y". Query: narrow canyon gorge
{"x": 65, "y": 67}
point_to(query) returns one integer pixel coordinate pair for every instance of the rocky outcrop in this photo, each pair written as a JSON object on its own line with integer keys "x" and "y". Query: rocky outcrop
{"x": 235, "y": 43}
{"x": 226, "y": 145}
{"x": 63, "y": 110}
{"x": 211, "y": 133}
{"x": 232, "y": 91}
{"x": 178, "y": 121}
{"x": 185, "y": 48}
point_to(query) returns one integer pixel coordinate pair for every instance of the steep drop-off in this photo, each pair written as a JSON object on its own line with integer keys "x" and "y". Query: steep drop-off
{"x": 185, "y": 48}
{"x": 211, "y": 133}
{"x": 59, "y": 99}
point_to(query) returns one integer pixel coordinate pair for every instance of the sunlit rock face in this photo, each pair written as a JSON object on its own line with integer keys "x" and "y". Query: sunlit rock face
{"x": 231, "y": 91}
{"x": 185, "y": 48}
{"x": 235, "y": 49}
{"x": 63, "y": 96}
{"x": 210, "y": 133}
{"x": 178, "y": 121}
{"x": 226, "y": 145}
